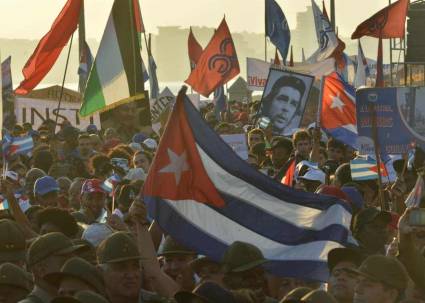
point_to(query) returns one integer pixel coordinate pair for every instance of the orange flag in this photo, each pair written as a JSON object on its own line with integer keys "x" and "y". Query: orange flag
{"x": 387, "y": 23}
{"x": 218, "y": 63}
{"x": 288, "y": 179}
{"x": 195, "y": 50}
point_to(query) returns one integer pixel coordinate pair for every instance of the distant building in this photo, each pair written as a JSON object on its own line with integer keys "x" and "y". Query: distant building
{"x": 239, "y": 91}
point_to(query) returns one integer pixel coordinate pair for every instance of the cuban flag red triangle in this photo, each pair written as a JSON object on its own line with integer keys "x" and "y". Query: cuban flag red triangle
{"x": 177, "y": 172}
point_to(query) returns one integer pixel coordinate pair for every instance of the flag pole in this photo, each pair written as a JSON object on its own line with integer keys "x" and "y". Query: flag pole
{"x": 377, "y": 149}
{"x": 63, "y": 81}
{"x": 319, "y": 105}
{"x": 81, "y": 47}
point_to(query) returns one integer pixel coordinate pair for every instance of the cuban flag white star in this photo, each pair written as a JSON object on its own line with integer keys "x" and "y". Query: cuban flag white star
{"x": 337, "y": 102}
{"x": 178, "y": 164}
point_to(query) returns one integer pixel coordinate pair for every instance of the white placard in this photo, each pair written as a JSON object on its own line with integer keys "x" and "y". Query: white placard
{"x": 238, "y": 143}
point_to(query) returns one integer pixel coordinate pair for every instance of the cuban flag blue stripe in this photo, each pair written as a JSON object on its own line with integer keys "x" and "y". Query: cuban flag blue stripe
{"x": 274, "y": 228}
{"x": 224, "y": 156}
{"x": 344, "y": 135}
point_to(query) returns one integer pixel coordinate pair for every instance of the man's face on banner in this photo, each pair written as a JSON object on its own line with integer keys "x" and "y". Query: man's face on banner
{"x": 284, "y": 106}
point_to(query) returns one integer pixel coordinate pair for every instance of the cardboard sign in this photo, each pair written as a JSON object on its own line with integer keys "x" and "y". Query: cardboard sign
{"x": 35, "y": 111}
{"x": 238, "y": 144}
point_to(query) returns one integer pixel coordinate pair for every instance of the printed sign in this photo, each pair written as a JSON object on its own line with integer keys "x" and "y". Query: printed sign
{"x": 238, "y": 144}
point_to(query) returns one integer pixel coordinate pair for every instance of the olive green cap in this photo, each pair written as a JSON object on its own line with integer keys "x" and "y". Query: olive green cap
{"x": 318, "y": 296}
{"x": 12, "y": 242}
{"x": 387, "y": 270}
{"x": 171, "y": 247}
{"x": 80, "y": 269}
{"x": 84, "y": 296}
{"x": 50, "y": 244}
{"x": 118, "y": 247}
{"x": 241, "y": 256}
{"x": 13, "y": 275}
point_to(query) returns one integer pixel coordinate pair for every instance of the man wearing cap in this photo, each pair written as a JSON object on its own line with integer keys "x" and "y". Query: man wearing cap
{"x": 381, "y": 280}
{"x": 15, "y": 283}
{"x": 76, "y": 275}
{"x": 12, "y": 243}
{"x": 46, "y": 255}
{"x": 176, "y": 261}
{"x": 93, "y": 199}
{"x": 311, "y": 180}
{"x": 46, "y": 191}
{"x": 242, "y": 267}
{"x": 32, "y": 175}
{"x": 207, "y": 270}
{"x": 370, "y": 229}
{"x": 342, "y": 281}
{"x": 281, "y": 149}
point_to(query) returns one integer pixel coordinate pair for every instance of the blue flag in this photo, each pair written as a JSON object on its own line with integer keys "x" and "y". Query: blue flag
{"x": 277, "y": 28}
{"x": 153, "y": 80}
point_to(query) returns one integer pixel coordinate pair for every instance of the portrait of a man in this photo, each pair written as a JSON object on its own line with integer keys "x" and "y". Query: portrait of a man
{"x": 284, "y": 99}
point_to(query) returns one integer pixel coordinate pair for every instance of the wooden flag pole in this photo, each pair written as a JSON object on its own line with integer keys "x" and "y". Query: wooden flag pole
{"x": 377, "y": 148}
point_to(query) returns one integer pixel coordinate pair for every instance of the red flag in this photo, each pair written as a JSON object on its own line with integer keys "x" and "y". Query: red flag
{"x": 387, "y": 23}
{"x": 379, "y": 66}
{"x": 291, "y": 58}
{"x": 50, "y": 47}
{"x": 288, "y": 179}
{"x": 195, "y": 50}
{"x": 276, "y": 58}
{"x": 218, "y": 63}
{"x": 138, "y": 17}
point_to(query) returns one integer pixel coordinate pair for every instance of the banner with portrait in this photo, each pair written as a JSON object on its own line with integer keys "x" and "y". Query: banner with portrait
{"x": 400, "y": 119}
{"x": 284, "y": 99}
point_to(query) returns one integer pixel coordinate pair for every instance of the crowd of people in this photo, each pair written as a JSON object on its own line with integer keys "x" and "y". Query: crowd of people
{"x": 74, "y": 227}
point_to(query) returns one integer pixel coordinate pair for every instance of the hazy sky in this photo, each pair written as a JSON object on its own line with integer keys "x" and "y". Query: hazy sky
{"x": 32, "y": 18}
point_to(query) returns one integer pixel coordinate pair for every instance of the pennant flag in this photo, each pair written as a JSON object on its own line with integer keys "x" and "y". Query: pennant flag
{"x": 338, "y": 110}
{"x": 362, "y": 68}
{"x": 415, "y": 196}
{"x": 86, "y": 62}
{"x": 218, "y": 63}
{"x": 276, "y": 58}
{"x": 291, "y": 58}
{"x": 116, "y": 75}
{"x": 328, "y": 41}
{"x": 17, "y": 145}
{"x": 220, "y": 102}
{"x": 6, "y": 78}
{"x": 364, "y": 168}
{"x": 277, "y": 28}
{"x": 387, "y": 23}
{"x": 195, "y": 50}
{"x": 380, "y": 66}
{"x": 193, "y": 191}
{"x": 153, "y": 80}
{"x": 138, "y": 20}
{"x": 50, "y": 47}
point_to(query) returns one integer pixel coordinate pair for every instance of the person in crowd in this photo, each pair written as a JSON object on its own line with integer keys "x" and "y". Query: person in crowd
{"x": 31, "y": 176}
{"x": 46, "y": 191}
{"x": 281, "y": 150}
{"x": 207, "y": 270}
{"x": 15, "y": 283}
{"x": 12, "y": 243}
{"x": 93, "y": 201}
{"x": 85, "y": 147}
{"x": 335, "y": 150}
{"x": 74, "y": 193}
{"x": 142, "y": 159}
{"x": 53, "y": 219}
{"x": 302, "y": 144}
{"x": 255, "y": 136}
{"x": 342, "y": 281}
{"x": 63, "y": 198}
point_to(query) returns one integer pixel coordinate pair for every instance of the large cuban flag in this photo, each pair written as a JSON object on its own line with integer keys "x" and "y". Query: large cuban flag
{"x": 206, "y": 197}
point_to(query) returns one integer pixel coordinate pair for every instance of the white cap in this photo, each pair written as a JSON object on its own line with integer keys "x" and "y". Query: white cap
{"x": 150, "y": 143}
{"x": 96, "y": 233}
{"x": 135, "y": 146}
{"x": 136, "y": 174}
{"x": 314, "y": 175}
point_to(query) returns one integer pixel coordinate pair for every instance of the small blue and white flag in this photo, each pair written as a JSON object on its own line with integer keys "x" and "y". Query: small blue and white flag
{"x": 365, "y": 168}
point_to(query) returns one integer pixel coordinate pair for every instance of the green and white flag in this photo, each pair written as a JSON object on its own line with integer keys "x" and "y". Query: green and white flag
{"x": 116, "y": 76}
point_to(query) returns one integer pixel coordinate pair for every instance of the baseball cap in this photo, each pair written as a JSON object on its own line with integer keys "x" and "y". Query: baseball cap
{"x": 368, "y": 215}
{"x": 241, "y": 256}
{"x": 387, "y": 270}
{"x": 45, "y": 185}
{"x": 150, "y": 143}
{"x": 92, "y": 186}
{"x": 139, "y": 138}
{"x": 342, "y": 254}
{"x": 13, "y": 275}
{"x": 91, "y": 129}
{"x": 12, "y": 242}
{"x": 135, "y": 146}
{"x": 314, "y": 175}
{"x": 207, "y": 292}
{"x": 54, "y": 243}
{"x": 118, "y": 247}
